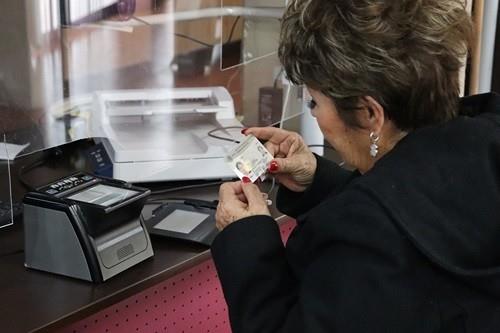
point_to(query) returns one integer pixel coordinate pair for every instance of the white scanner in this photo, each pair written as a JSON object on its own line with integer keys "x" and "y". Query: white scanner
{"x": 162, "y": 134}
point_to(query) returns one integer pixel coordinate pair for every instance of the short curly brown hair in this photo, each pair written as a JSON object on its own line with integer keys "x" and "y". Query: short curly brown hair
{"x": 404, "y": 53}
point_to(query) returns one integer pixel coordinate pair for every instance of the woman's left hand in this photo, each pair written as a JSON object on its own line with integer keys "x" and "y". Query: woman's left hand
{"x": 239, "y": 200}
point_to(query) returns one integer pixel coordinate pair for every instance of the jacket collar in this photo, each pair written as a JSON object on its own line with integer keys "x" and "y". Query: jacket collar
{"x": 479, "y": 104}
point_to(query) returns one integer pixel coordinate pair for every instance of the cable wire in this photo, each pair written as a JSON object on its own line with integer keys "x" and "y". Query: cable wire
{"x": 178, "y": 34}
{"x": 210, "y": 134}
{"x": 181, "y": 35}
{"x": 186, "y": 187}
{"x": 233, "y": 28}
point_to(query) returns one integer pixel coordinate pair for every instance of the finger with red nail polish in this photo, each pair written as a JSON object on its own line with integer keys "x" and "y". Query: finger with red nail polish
{"x": 273, "y": 167}
{"x": 243, "y": 131}
{"x": 246, "y": 180}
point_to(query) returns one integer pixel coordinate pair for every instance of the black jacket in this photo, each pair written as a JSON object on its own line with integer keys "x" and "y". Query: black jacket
{"x": 411, "y": 246}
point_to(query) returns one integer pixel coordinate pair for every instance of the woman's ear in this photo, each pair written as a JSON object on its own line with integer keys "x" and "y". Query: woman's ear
{"x": 372, "y": 116}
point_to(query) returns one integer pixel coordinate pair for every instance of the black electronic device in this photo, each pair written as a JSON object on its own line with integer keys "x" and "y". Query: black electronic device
{"x": 86, "y": 227}
{"x": 189, "y": 220}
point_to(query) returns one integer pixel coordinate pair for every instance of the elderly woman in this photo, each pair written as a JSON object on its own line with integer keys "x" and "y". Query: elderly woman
{"x": 410, "y": 241}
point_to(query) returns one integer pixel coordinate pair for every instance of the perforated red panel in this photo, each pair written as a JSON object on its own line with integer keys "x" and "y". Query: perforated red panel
{"x": 286, "y": 228}
{"x": 190, "y": 302}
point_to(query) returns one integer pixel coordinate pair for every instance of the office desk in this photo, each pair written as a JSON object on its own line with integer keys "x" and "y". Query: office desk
{"x": 33, "y": 300}
{"x": 39, "y": 301}
{"x": 43, "y": 302}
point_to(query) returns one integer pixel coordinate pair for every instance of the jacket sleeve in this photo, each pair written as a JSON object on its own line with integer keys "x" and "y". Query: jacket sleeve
{"x": 328, "y": 179}
{"x": 348, "y": 285}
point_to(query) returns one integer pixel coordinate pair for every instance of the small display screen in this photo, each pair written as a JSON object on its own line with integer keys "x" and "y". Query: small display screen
{"x": 103, "y": 195}
{"x": 182, "y": 221}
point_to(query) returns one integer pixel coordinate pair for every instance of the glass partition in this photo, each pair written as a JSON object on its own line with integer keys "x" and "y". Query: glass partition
{"x": 154, "y": 81}
{"x": 6, "y": 213}
{"x": 253, "y": 27}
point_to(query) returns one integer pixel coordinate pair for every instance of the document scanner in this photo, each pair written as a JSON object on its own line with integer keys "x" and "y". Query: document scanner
{"x": 162, "y": 134}
{"x": 85, "y": 227}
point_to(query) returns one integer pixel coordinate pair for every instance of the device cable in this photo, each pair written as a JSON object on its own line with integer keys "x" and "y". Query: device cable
{"x": 186, "y": 187}
{"x": 233, "y": 28}
{"x": 212, "y": 135}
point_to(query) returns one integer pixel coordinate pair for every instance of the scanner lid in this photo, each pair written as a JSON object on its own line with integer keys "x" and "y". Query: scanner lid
{"x": 98, "y": 204}
{"x": 93, "y": 191}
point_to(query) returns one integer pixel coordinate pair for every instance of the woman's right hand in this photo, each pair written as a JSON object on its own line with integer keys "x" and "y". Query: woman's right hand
{"x": 294, "y": 164}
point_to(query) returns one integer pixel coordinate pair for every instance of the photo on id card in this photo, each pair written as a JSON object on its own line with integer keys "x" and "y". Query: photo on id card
{"x": 249, "y": 159}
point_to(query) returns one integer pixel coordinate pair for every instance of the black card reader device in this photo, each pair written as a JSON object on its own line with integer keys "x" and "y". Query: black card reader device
{"x": 190, "y": 220}
{"x": 85, "y": 227}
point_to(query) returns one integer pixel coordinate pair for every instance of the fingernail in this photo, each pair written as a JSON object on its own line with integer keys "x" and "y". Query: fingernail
{"x": 244, "y": 130}
{"x": 273, "y": 166}
{"x": 246, "y": 180}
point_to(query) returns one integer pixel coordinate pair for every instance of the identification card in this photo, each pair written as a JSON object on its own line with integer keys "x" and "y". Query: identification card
{"x": 249, "y": 159}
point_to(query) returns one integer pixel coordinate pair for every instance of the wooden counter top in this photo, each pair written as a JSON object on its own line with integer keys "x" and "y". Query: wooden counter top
{"x": 39, "y": 301}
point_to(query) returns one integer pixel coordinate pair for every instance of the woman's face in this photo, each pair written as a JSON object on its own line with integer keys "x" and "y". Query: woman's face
{"x": 351, "y": 143}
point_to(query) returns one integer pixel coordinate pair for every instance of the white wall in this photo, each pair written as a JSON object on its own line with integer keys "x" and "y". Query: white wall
{"x": 488, "y": 44}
